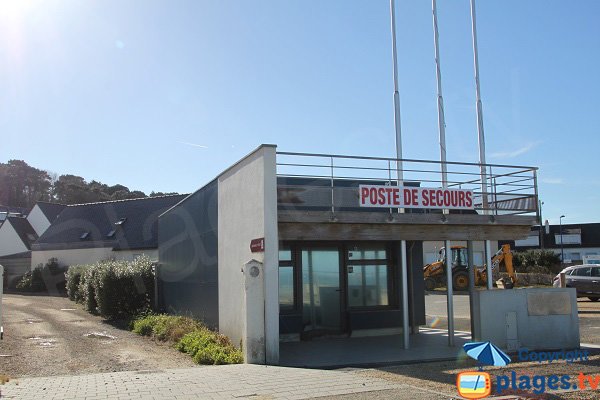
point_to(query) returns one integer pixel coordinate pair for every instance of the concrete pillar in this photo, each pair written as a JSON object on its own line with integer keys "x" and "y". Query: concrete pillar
{"x": 253, "y": 339}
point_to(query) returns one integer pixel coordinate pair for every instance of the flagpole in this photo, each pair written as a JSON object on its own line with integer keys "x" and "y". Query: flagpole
{"x": 479, "y": 108}
{"x": 397, "y": 125}
{"x": 400, "y": 175}
{"x": 440, "y": 98}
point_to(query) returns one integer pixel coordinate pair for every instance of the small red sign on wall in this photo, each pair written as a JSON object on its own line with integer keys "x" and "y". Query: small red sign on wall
{"x": 257, "y": 245}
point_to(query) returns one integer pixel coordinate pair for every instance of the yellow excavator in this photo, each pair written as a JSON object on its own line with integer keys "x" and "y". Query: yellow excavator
{"x": 435, "y": 273}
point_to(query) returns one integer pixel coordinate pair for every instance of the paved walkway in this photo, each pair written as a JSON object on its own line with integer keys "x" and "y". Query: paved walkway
{"x": 373, "y": 351}
{"x": 218, "y": 382}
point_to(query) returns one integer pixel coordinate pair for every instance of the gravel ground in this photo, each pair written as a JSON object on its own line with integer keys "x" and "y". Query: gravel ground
{"x": 48, "y": 336}
{"x": 440, "y": 377}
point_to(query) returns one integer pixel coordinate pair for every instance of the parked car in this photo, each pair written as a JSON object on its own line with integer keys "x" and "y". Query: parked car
{"x": 584, "y": 278}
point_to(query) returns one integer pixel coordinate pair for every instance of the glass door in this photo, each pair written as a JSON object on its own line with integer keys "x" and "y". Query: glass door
{"x": 321, "y": 289}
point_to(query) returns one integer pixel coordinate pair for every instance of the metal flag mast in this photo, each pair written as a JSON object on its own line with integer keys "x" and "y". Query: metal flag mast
{"x": 442, "y": 131}
{"x": 482, "y": 162}
{"x": 400, "y": 172}
{"x": 479, "y": 109}
{"x": 440, "y": 98}
{"x": 397, "y": 125}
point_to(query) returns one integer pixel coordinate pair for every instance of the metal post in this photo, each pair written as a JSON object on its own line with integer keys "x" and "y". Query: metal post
{"x": 332, "y": 199}
{"x": 449, "y": 294}
{"x": 479, "y": 108}
{"x": 562, "y": 249}
{"x": 488, "y": 263}
{"x": 471, "y": 262}
{"x": 440, "y": 99}
{"x": 399, "y": 167}
{"x": 540, "y": 204}
{"x": 405, "y": 316}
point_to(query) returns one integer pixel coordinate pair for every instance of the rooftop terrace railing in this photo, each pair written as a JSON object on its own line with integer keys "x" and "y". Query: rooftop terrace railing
{"x": 330, "y": 182}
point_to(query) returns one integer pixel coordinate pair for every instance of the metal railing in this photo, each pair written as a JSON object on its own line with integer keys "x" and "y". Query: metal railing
{"x": 330, "y": 182}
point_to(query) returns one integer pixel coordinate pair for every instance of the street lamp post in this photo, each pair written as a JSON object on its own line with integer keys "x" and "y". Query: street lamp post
{"x": 562, "y": 250}
{"x": 541, "y": 232}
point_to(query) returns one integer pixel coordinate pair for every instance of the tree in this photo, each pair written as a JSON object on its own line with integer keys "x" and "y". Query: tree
{"x": 22, "y": 185}
{"x": 72, "y": 189}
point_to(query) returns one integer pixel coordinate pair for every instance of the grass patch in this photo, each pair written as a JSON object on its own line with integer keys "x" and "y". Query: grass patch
{"x": 189, "y": 336}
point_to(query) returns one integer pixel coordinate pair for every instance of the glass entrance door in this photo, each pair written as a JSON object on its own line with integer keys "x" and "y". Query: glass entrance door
{"x": 321, "y": 289}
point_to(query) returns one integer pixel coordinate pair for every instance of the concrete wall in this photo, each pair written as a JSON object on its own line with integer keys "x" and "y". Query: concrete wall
{"x": 71, "y": 257}
{"x": 188, "y": 255}
{"x": 247, "y": 209}
{"x": 536, "y": 319}
{"x": 10, "y": 242}
{"x": 38, "y": 220}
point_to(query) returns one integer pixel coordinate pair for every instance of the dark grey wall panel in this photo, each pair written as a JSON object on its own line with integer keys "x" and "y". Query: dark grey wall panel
{"x": 188, "y": 256}
{"x": 416, "y": 287}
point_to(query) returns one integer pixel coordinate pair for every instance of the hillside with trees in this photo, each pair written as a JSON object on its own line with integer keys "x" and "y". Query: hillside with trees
{"x": 22, "y": 185}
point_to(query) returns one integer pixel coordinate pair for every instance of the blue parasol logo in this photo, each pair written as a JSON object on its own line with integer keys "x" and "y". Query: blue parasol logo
{"x": 486, "y": 354}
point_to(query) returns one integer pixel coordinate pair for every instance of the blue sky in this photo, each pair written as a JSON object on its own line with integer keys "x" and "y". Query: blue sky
{"x": 120, "y": 91}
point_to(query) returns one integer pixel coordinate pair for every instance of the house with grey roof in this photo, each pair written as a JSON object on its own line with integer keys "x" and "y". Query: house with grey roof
{"x": 16, "y": 236}
{"x": 87, "y": 233}
{"x": 43, "y": 214}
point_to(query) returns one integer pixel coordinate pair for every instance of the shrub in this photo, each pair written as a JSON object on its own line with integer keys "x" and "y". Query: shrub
{"x": 86, "y": 291}
{"x": 44, "y": 277}
{"x": 124, "y": 288}
{"x": 536, "y": 261}
{"x": 166, "y": 328}
{"x": 73, "y": 278}
{"x": 189, "y": 336}
{"x": 208, "y": 347}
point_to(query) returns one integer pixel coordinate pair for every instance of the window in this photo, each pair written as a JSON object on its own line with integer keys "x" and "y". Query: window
{"x": 368, "y": 285}
{"x": 361, "y": 253}
{"x": 596, "y": 271}
{"x": 286, "y": 287}
{"x": 582, "y": 271}
{"x": 368, "y": 276}
{"x": 287, "y": 280}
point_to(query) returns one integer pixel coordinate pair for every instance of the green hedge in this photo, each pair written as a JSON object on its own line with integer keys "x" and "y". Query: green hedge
{"x": 113, "y": 289}
{"x": 537, "y": 261}
{"x": 189, "y": 336}
{"x": 73, "y": 277}
{"x": 44, "y": 277}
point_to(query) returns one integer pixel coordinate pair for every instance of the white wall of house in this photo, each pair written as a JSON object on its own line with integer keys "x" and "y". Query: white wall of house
{"x": 131, "y": 255}
{"x": 247, "y": 210}
{"x": 88, "y": 256}
{"x": 431, "y": 249}
{"x": 10, "y": 241}
{"x": 38, "y": 220}
{"x": 72, "y": 256}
